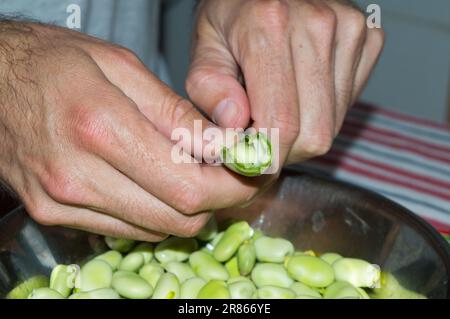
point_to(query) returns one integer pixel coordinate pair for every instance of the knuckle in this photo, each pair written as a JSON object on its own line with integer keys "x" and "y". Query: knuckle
{"x": 40, "y": 212}
{"x": 197, "y": 78}
{"x": 125, "y": 56}
{"x": 274, "y": 13}
{"x": 177, "y": 109}
{"x": 321, "y": 22}
{"x": 318, "y": 144}
{"x": 355, "y": 23}
{"x": 288, "y": 125}
{"x": 189, "y": 198}
{"x": 91, "y": 127}
{"x": 194, "y": 226}
{"x": 62, "y": 186}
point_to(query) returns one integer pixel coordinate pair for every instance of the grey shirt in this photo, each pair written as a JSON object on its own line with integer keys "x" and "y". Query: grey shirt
{"x": 130, "y": 23}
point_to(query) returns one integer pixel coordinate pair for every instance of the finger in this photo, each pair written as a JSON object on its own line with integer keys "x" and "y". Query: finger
{"x": 371, "y": 51}
{"x": 350, "y": 37}
{"x": 314, "y": 60}
{"x": 212, "y": 82}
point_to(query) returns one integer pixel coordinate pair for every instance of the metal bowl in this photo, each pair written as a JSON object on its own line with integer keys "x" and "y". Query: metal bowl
{"x": 314, "y": 213}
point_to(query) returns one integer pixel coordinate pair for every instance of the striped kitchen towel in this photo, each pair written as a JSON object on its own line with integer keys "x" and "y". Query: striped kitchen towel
{"x": 399, "y": 156}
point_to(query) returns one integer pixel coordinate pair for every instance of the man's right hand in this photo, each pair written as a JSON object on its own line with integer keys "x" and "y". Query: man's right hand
{"x": 85, "y": 139}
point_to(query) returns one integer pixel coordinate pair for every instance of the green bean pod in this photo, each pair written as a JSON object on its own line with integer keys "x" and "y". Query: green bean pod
{"x": 311, "y": 271}
{"x": 112, "y": 257}
{"x": 246, "y": 258}
{"x": 132, "y": 262}
{"x": 209, "y": 231}
{"x": 267, "y": 274}
{"x": 104, "y": 293}
{"x": 206, "y": 267}
{"x": 151, "y": 272}
{"x": 304, "y": 290}
{"x": 214, "y": 289}
{"x": 62, "y": 279}
{"x": 146, "y": 249}
{"x": 175, "y": 249}
{"x": 45, "y": 293}
{"x": 330, "y": 257}
{"x": 357, "y": 272}
{"x": 130, "y": 285}
{"x": 191, "y": 287}
{"x": 120, "y": 244}
{"x": 182, "y": 270}
{"x": 233, "y": 237}
{"x": 168, "y": 287}
{"x": 273, "y": 250}
{"x": 24, "y": 289}
{"x": 275, "y": 292}
{"x": 243, "y": 289}
{"x": 95, "y": 274}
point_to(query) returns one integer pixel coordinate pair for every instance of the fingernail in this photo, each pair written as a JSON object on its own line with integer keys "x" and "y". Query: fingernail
{"x": 226, "y": 113}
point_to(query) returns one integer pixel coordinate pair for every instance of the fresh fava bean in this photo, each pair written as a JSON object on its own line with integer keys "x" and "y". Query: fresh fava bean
{"x": 191, "y": 287}
{"x": 275, "y": 292}
{"x": 132, "y": 262}
{"x": 267, "y": 274}
{"x": 303, "y": 290}
{"x": 182, "y": 270}
{"x": 363, "y": 293}
{"x": 213, "y": 243}
{"x": 357, "y": 272}
{"x": 120, "y": 244}
{"x": 151, "y": 272}
{"x": 232, "y": 267}
{"x": 209, "y": 231}
{"x": 390, "y": 288}
{"x": 273, "y": 249}
{"x": 104, "y": 293}
{"x": 112, "y": 257}
{"x": 175, "y": 249}
{"x": 146, "y": 249}
{"x": 237, "y": 279}
{"x": 257, "y": 233}
{"x": 62, "y": 278}
{"x": 330, "y": 257}
{"x": 310, "y": 270}
{"x": 233, "y": 237}
{"x": 45, "y": 293}
{"x": 214, "y": 289}
{"x": 95, "y": 274}
{"x": 246, "y": 258}
{"x": 243, "y": 289}
{"x": 206, "y": 267}
{"x": 130, "y": 285}
{"x": 341, "y": 290}
{"x": 168, "y": 287}
{"x": 23, "y": 290}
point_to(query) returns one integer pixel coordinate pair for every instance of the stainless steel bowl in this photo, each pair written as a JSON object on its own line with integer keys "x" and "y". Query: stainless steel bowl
{"x": 314, "y": 213}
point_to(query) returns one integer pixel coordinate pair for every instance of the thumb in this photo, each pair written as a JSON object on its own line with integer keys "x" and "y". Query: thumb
{"x": 212, "y": 84}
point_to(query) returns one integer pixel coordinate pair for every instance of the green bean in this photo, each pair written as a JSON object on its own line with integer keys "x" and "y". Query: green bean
{"x": 182, "y": 270}
{"x": 130, "y": 285}
{"x": 132, "y": 262}
{"x": 23, "y": 290}
{"x": 232, "y": 267}
{"x": 104, "y": 293}
{"x": 120, "y": 244}
{"x": 191, "y": 287}
{"x": 175, "y": 249}
{"x": 62, "y": 279}
{"x": 151, "y": 272}
{"x": 209, "y": 231}
{"x": 273, "y": 249}
{"x": 341, "y": 290}
{"x": 275, "y": 292}
{"x": 357, "y": 272}
{"x": 45, "y": 293}
{"x": 243, "y": 289}
{"x": 266, "y": 274}
{"x": 95, "y": 274}
{"x": 246, "y": 258}
{"x": 112, "y": 257}
{"x": 146, "y": 249}
{"x": 311, "y": 271}
{"x": 233, "y": 237}
{"x": 215, "y": 289}
{"x": 303, "y": 290}
{"x": 330, "y": 257}
{"x": 168, "y": 287}
{"x": 206, "y": 267}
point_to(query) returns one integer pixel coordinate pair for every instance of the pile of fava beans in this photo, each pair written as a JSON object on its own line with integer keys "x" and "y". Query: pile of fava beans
{"x": 237, "y": 263}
